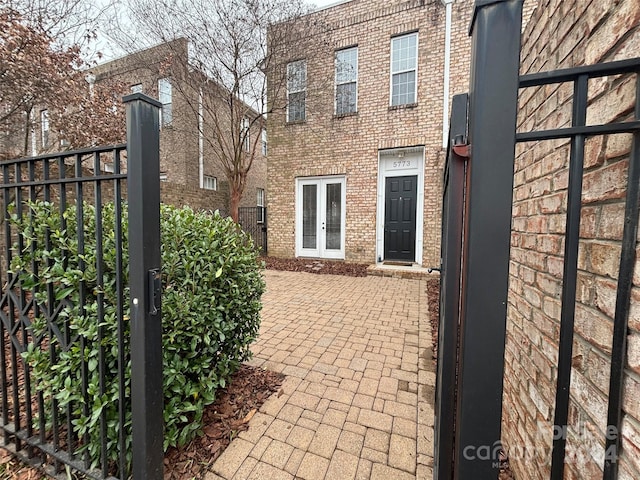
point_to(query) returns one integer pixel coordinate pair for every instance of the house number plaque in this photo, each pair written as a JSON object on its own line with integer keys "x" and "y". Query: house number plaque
{"x": 402, "y": 164}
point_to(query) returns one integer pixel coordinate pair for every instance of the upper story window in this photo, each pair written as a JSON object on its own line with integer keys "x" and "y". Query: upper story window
{"x": 296, "y": 90}
{"x": 165, "y": 94}
{"x": 44, "y": 127}
{"x": 137, "y": 88}
{"x": 210, "y": 183}
{"x": 244, "y": 134}
{"x": 404, "y": 69}
{"x": 264, "y": 142}
{"x": 347, "y": 81}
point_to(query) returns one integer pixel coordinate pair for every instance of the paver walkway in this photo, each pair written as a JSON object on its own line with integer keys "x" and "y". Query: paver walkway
{"x": 358, "y": 399}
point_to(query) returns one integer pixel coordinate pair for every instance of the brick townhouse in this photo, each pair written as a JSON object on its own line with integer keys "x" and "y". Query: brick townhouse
{"x": 356, "y": 137}
{"x": 190, "y": 172}
{"x": 189, "y": 169}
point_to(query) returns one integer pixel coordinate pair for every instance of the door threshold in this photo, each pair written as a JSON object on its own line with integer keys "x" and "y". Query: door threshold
{"x": 398, "y": 263}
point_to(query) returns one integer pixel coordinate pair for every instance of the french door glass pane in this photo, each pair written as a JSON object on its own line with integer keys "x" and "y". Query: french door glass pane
{"x": 333, "y": 216}
{"x": 309, "y": 216}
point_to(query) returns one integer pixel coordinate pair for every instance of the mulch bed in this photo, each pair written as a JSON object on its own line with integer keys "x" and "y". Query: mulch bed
{"x": 433, "y": 302}
{"x": 229, "y": 415}
{"x": 316, "y": 266}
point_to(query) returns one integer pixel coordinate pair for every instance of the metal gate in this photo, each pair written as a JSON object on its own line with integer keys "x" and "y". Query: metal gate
{"x": 253, "y": 220}
{"x": 476, "y": 233}
{"x": 53, "y": 205}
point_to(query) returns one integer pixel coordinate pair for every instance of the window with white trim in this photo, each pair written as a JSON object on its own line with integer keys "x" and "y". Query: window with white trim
{"x": 244, "y": 134}
{"x": 264, "y": 142}
{"x": 210, "y": 183}
{"x": 137, "y": 88}
{"x": 347, "y": 81}
{"x": 44, "y": 128}
{"x": 165, "y": 94}
{"x": 260, "y": 205}
{"x": 404, "y": 69}
{"x": 296, "y": 90}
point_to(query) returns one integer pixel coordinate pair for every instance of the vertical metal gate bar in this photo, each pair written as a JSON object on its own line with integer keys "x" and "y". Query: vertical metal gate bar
{"x": 97, "y": 193}
{"x": 623, "y": 296}
{"x": 452, "y": 218}
{"x": 15, "y": 321}
{"x": 143, "y": 140}
{"x": 567, "y": 313}
{"x": 34, "y": 309}
{"x": 492, "y": 128}
{"x": 6, "y": 199}
{"x": 123, "y": 404}
{"x": 82, "y": 295}
{"x": 62, "y": 207}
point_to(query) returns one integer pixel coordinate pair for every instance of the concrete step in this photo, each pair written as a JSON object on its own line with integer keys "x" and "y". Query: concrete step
{"x": 415, "y": 271}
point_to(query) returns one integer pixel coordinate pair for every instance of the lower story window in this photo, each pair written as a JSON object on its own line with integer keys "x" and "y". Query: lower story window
{"x": 210, "y": 183}
{"x": 260, "y": 205}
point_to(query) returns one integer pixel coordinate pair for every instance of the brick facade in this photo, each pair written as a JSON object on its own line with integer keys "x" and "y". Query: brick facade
{"x": 351, "y": 145}
{"x": 179, "y": 142}
{"x": 561, "y": 34}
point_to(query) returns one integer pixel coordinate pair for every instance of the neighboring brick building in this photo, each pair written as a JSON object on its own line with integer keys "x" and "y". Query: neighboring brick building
{"x": 356, "y": 151}
{"x": 563, "y": 34}
{"x": 190, "y": 172}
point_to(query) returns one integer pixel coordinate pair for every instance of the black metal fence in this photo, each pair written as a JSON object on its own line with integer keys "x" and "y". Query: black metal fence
{"x": 253, "y": 220}
{"x": 64, "y": 265}
{"x": 474, "y": 282}
{"x": 578, "y": 133}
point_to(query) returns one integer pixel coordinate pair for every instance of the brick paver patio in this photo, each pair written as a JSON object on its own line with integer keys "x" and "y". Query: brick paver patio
{"x": 358, "y": 399}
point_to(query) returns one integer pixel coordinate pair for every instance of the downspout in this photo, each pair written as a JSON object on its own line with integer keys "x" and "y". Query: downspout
{"x": 447, "y": 61}
{"x": 200, "y": 139}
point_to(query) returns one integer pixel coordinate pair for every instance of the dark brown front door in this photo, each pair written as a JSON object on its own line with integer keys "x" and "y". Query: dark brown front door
{"x": 400, "y": 218}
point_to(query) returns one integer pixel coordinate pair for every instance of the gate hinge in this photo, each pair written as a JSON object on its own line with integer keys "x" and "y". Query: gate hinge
{"x": 155, "y": 290}
{"x": 461, "y": 146}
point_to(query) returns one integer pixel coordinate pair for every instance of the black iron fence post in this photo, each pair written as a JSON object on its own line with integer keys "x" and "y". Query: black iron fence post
{"x": 143, "y": 140}
{"x": 449, "y": 322}
{"x": 493, "y": 100}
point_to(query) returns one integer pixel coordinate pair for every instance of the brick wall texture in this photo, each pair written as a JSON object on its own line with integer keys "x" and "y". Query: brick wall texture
{"x": 349, "y": 145}
{"x": 561, "y": 34}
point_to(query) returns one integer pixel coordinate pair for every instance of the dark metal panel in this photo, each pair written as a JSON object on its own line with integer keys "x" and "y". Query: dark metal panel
{"x": 143, "y": 140}
{"x": 478, "y": 5}
{"x": 567, "y": 313}
{"x": 492, "y": 119}
{"x": 451, "y": 256}
{"x": 623, "y": 296}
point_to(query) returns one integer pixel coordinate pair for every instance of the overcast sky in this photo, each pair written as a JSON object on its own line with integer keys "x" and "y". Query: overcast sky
{"x": 109, "y": 52}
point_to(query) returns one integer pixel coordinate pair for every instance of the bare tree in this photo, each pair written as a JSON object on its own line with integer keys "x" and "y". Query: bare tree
{"x": 42, "y": 84}
{"x": 223, "y": 77}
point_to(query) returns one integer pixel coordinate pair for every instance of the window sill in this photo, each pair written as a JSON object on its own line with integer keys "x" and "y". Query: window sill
{"x": 344, "y": 115}
{"x": 295, "y": 122}
{"x": 405, "y": 106}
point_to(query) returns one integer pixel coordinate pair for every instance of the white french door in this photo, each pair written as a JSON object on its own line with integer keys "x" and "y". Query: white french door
{"x": 320, "y": 217}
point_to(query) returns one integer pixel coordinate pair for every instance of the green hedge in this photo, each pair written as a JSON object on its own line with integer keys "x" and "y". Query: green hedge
{"x": 210, "y": 314}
